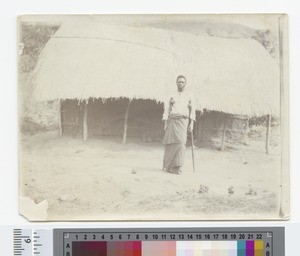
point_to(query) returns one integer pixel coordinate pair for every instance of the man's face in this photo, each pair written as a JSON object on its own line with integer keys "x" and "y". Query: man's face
{"x": 181, "y": 82}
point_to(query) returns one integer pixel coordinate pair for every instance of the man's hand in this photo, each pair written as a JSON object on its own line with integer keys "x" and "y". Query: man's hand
{"x": 166, "y": 125}
{"x": 191, "y": 126}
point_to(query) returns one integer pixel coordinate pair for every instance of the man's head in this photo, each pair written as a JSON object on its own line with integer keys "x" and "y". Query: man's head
{"x": 181, "y": 82}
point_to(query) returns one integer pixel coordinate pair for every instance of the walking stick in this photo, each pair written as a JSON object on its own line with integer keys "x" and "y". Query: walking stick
{"x": 192, "y": 138}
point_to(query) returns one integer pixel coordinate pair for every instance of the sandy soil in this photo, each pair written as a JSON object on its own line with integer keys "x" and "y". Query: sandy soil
{"x": 103, "y": 179}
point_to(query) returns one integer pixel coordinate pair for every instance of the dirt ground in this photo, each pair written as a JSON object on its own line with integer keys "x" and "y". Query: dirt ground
{"x": 103, "y": 180}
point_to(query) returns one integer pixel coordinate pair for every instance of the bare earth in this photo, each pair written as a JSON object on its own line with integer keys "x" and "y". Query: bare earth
{"x": 105, "y": 180}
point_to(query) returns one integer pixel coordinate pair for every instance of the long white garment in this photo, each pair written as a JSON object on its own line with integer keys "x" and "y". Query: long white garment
{"x": 178, "y": 103}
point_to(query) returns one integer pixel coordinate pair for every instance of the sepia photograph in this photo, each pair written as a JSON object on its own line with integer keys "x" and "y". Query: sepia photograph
{"x": 153, "y": 117}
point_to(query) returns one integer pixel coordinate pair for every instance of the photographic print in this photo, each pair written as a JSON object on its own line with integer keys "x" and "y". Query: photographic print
{"x": 153, "y": 117}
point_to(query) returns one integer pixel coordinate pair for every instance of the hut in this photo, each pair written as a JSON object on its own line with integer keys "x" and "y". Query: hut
{"x": 100, "y": 71}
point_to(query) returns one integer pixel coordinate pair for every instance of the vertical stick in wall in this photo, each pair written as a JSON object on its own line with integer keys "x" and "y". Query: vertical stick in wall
{"x": 246, "y": 139}
{"x": 268, "y": 133}
{"x": 202, "y": 125}
{"x": 126, "y": 122}
{"x": 224, "y": 134}
{"x": 85, "y": 127}
{"x": 61, "y": 119}
{"x": 196, "y": 124}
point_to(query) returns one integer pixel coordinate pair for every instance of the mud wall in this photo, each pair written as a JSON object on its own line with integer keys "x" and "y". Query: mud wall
{"x": 210, "y": 124}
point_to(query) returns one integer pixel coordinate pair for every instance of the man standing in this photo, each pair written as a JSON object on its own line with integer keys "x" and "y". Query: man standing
{"x": 179, "y": 118}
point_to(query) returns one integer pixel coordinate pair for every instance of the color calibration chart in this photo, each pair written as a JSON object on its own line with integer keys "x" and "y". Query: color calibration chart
{"x": 170, "y": 242}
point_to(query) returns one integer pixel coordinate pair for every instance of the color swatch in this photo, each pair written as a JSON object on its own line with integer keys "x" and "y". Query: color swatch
{"x": 168, "y": 248}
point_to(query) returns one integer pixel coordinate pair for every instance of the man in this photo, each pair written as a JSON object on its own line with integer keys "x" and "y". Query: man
{"x": 179, "y": 118}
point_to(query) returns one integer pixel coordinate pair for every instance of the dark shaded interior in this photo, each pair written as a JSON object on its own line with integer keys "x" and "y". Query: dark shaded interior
{"x": 106, "y": 118}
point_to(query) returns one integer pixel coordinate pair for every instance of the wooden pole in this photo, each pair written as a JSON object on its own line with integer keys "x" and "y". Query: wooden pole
{"x": 268, "y": 133}
{"x": 202, "y": 125}
{"x": 85, "y": 127}
{"x": 246, "y": 139}
{"x": 196, "y": 124}
{"x": 126, "y": 122}
{"x": 61, "y": 128}
{"x": 223, "y": 134}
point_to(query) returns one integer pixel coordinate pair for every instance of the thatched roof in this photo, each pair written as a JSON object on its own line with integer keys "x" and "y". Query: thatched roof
{"x": 92, "y": 60}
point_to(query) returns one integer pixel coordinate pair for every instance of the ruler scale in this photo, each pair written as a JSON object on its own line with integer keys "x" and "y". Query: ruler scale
{"x": 22, "y": 242}
{"x": 30, "y": 242}
{"x": 267, "y": 241}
